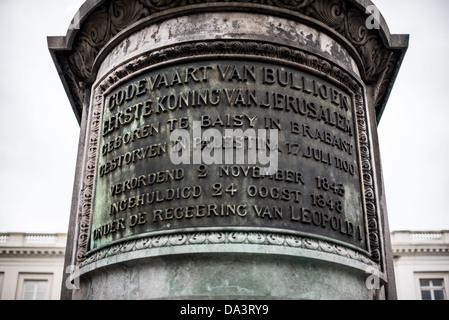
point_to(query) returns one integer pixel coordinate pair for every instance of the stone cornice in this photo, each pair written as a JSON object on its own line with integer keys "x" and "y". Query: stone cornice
{"x": 235, "y": 241}
{"x": 435, "y": 243}
{"x": 30, "y": 252}
{"x": 98, "y": 21}
{"x": 433, "y": 250}
{"x": 23, "y": 245}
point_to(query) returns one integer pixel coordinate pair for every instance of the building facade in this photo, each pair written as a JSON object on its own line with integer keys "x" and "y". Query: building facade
{"x": 31, "y": 266}
{"x": 421, "y": 262}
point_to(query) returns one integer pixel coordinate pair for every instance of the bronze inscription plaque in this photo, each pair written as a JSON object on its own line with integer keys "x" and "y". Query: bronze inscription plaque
{"x": 163, "y": 167}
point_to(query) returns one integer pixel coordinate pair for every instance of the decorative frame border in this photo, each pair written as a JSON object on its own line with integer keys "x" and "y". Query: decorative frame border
{"x": 226, "y": 49}
{"x": 228, "y": 238}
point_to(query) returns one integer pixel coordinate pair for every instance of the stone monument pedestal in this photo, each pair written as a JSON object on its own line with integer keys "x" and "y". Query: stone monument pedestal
{"x": 226, "y": 271}
{"x": 228, "y": 150}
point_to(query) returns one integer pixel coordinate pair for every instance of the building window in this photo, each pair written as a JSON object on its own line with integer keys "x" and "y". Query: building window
{"x": 35, "y": 289}
{"x": 34, "y": 286}
{"x": 432, "y": 289}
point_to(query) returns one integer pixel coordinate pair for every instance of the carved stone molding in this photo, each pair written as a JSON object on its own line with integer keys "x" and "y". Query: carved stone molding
{"x": 231, "y": 48}
{"x": 229, "y": 238}
{"x": 210, "y": 49}
{"x": 108, "y": 18}
{"x": 372, "y": 214}
{"x": 89, "y": 174}
{"x": 114, "y": 16}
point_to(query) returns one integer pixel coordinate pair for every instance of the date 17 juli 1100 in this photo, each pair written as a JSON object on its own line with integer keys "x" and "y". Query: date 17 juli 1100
{"x": 240, "y": 309}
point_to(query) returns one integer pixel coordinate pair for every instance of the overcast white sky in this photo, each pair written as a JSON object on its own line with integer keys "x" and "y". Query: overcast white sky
{"x": 39, "y": 132}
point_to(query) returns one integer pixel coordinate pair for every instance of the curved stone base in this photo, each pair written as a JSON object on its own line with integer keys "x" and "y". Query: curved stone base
{"x": 229, "y": 265}
{"x": 225, "y": 276}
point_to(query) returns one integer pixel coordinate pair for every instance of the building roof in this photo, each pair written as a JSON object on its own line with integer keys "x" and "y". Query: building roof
{"x": 26, "y": 244}
{"x": 422, "y": 242}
